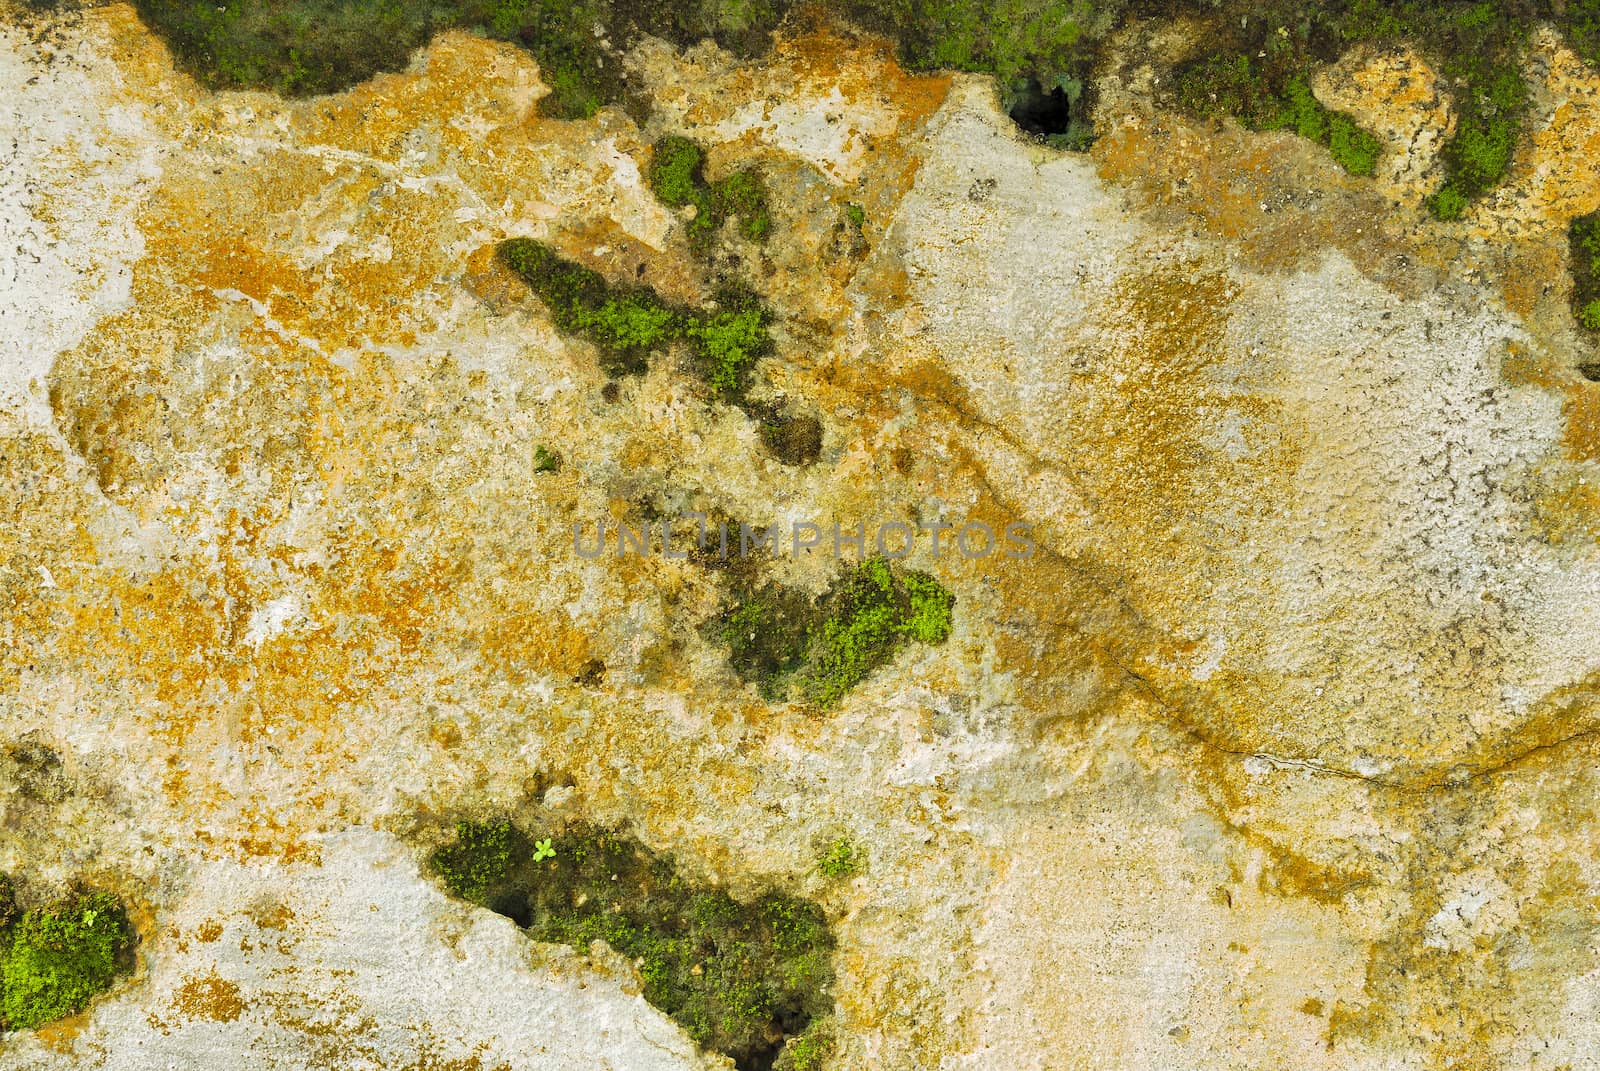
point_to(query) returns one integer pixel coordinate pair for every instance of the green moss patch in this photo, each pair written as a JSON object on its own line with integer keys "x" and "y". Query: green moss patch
{"x": 1258, "y": 59}
{"x": 627, "y": 324}
{"x": 809, "y": 1051}
{"x": 1260, "y": 67}
{"x": 1263, "y": 81}
{"x": 839, "y": 859}
{"x": 675, "y": 175}
{"x": 478, "y": 858}
{"x": 546, "y": 459}
{"x": 766, "y": 636}
{"x": 743, "y": 197}
{"x": 1584, "y": 239}
{"x": 728, "y": 340}
{"x": 748, "y": 979}
{"x": 54, "y": 959}
{"x": 777, "y": 639}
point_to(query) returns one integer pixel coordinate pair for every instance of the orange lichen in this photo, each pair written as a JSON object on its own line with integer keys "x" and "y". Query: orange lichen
{"x": 209, "y": 997}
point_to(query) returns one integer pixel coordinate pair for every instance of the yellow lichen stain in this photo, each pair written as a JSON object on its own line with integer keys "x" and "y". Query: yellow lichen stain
{"x": 1247, "y": 189}
{"x": 1455, "y": 1002}
{"x": 209, "y": 931}
{"x": 209, "y": 997}
{"x": 1142, "y": 439}
{"x": 1523, "y": 366}
{"x": 269, "y": 913}
{"x": 1568, "y": 512}
{"x": 1533, "y": 264}
{"x": 1292, "y": 874}
{"x": 1582, "y": 411}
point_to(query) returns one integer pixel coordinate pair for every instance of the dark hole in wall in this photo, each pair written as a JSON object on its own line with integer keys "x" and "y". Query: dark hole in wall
{"x": 513, "y": 906}
{"x": 1055, "y": 109}
{"x": 1042, "y": 113}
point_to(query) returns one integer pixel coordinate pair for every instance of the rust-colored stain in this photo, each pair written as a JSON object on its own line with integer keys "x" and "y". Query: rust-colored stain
{"x": 209, "y": 997}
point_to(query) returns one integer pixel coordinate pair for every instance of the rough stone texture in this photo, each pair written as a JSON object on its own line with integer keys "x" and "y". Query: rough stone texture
{"x": 1279, "y": 753}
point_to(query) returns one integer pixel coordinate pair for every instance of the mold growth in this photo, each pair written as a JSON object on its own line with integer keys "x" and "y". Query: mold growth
{"x": 746, "y": 979}
{"x": 779, "y": 640}
{"x": 54, "y": 959}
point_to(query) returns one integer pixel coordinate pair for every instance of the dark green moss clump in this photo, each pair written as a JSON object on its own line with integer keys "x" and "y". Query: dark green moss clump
{"x": 741, "y": 978}
{"x": 1584, "y": 236}
{"x": 809, "y": 1051}
{"x": 1265, "y": 53}
{"x": 793, "y": 438}
{"x": 479, "y": 858}
{"x": 625, "y": 323}
{"x": 728, "y": 340}
{"x": 777, "y": 638}
{"x": 766, "y": 634}
{"x": 54, "y": 959}
{"x": 1238, "y": 84}
{"x": 743, "y": 197}
{"x": 872, "y": 614}
{"x": 676, "y": 178}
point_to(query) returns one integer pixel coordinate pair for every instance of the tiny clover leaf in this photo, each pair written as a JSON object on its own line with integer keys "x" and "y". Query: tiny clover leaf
{"x": 542, "y": 850}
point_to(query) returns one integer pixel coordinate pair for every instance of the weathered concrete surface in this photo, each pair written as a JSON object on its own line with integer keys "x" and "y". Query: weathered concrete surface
{"x": 1279, "y": 753}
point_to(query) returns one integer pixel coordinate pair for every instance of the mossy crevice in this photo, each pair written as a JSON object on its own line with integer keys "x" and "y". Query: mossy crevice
{"x": 54, "y": 959}
{"x": 1041, "y": 52}
{"x": 781, "y": 641}
{"x": 747, "y": 979}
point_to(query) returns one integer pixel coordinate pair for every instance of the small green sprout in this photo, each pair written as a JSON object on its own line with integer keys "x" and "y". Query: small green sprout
{"x": 840, "y": 859}
{"x": 545, "y": 459}
{"x": 542, "y": 850}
